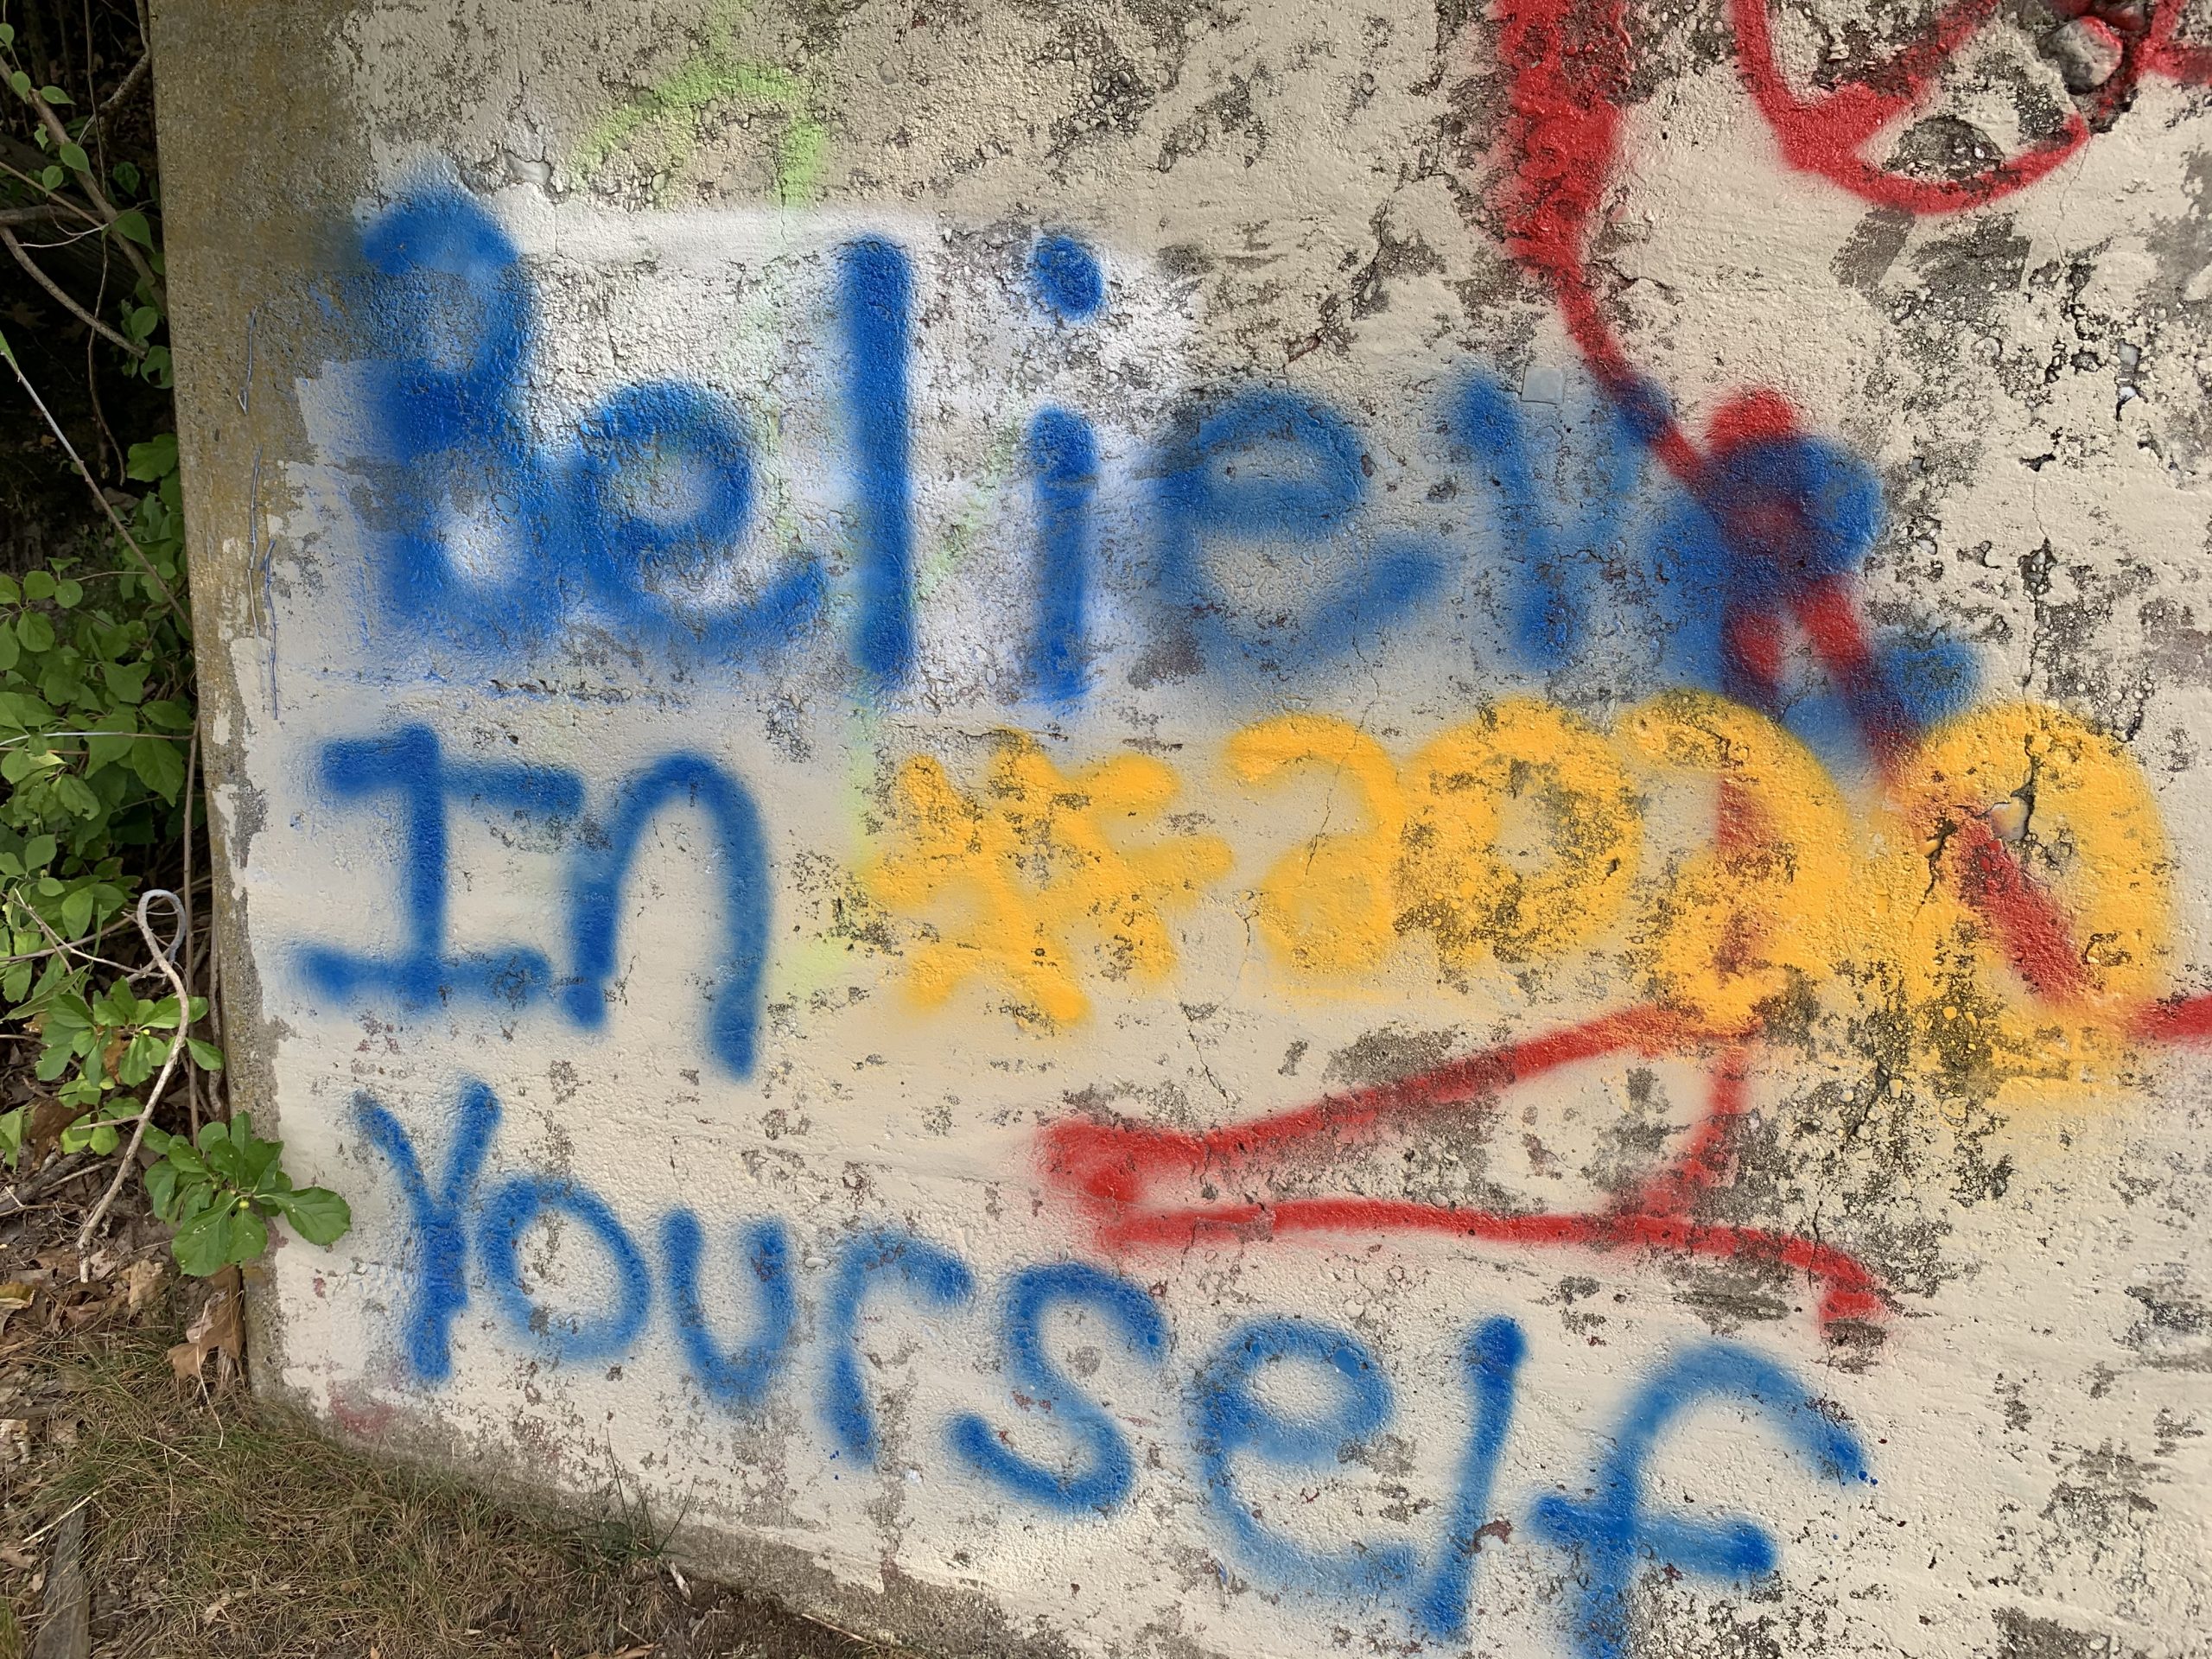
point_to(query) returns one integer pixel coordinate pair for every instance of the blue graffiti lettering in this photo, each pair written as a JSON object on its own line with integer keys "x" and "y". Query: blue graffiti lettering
{"x": 1553, "y": 564}
{"x": 1612, "y": 1533}
{"x": 408, "y": 764}
{"x": 1064, "y": 459}
{"x": 929, "y": 1274}
{"x": 684, "y": 780}
{"x": 1284, "y": 471}
{"x": 1493, "y": 1361}
{"x": 510, "y": 1210}
{"x": 876, "y": 290}
{"x": 1065, "y": 278}
{"x": 1233, "y": 1419}
{"x": 738, "y": 1376}
{"x": 436, "y": 1238}
{"x": 1109, "y": 1472}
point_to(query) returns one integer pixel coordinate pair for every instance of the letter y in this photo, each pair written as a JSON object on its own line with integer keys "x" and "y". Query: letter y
{"x": 440, "y": 1242}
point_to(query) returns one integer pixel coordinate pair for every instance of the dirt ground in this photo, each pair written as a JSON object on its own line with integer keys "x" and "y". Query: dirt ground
{"x": 150, "y": 1507}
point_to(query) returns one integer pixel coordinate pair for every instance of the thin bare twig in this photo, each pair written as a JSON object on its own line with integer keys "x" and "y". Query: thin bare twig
{"x": 128, "y": 1161}
{"x": 93, "y": 368}
{"x": 93, "y": 484}
{"x": 61, "y": 296}
{"x": 55, "y": 201}
{"x": 115, "y": 99}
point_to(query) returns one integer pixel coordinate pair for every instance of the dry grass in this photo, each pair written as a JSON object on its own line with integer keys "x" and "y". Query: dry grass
{"x": 217, "y": 1530}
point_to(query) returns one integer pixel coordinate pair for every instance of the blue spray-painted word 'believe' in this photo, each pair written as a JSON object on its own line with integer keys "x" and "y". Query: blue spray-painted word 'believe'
{"x": 628, "y": 520}
{"x": 409, "y": 767}
{"x": 1610, "y": 1532}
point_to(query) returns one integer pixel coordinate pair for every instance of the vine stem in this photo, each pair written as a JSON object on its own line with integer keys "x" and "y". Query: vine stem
{"x": 128, "y": 1161}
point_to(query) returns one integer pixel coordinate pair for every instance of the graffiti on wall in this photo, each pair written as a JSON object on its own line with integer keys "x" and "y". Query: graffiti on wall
{"x": 1878, "y": 846}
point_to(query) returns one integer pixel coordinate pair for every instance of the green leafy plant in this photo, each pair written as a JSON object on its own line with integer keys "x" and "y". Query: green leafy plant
{"x": 98, "y": 746}
{"x": 219, "y": 1192}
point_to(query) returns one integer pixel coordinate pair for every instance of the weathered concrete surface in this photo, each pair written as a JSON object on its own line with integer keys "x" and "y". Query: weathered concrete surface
{"x": 1155, "y": 830}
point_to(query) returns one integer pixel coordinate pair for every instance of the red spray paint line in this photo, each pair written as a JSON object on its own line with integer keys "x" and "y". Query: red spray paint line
{"x": 1111, "y": 1169}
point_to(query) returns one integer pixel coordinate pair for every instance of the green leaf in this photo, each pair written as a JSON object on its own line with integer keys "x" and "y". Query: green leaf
{"x": 70, "y": 789}
{"x": 38, "y": 584}
{"x": 316, "y": 1214}
{"x": 205, "y": 1055}
{"x": 11, "y": 592}
{"x": 142, "y": 321}
{"x": 142, "y": 1057}
{"x": 127, "y": 177}
{"x": 157, "y": 1140}
{"x": 20, "y": 82}
{"x": 38, "y": 852}
{"x": 76, "y": 913}
{"x": 228, "y": 1159}
{"x": 74, "y": 156}
{"x": 53, "y": 1061}
{"x": 35, "y": 631}
{"x": 21, "y": 710}
{"x": 132, "y": 225}
{"x": 157, "y": 760}
{"x": 160, "y": 1186}
{"x": 128, "y": 682}
{"x": 249, "y": 1235}
{"x": 68, "y": 1013}
{"x": 261, "y": 1157}
{"x": 11, "y": 1136}
{"x": 69, "y": 594}
{"x": 53, "y": 178}
{"x": 153, "y": 460}
{"x": 55, "y": 95}
{"x": 7, "y": 34}
{"x": 203, "y": 1244}
{"x": 170, "y": 716}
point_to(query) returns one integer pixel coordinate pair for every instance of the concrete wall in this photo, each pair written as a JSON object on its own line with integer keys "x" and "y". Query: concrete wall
{"x": 1136, "y": 829}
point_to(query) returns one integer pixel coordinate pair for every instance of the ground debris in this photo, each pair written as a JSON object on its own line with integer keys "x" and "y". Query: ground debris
{"x": 216, "y": 1329}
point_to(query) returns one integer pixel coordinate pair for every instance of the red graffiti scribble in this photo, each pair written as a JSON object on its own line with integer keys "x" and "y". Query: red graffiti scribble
{"x": 1113, "y": 1170}
{"x": 1829, "y": 135}
{"x": 1569, "y": 61}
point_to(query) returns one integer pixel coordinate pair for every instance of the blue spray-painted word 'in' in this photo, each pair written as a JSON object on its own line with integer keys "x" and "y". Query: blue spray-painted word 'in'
{"x": 630, "y": 522}
{"x": 409, "y": 768}
{"x": 1612, "y": 1533}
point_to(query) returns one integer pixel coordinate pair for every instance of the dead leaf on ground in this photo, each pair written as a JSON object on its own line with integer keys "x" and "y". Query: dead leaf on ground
{"x": 14, "y": 1297}
{"x": 215, "y": 1328}
{"x": 140, "y": 1280}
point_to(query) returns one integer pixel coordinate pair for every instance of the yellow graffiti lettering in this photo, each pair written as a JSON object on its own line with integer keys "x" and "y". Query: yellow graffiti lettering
{"x": 2030, "y": 887}
{"x": 1005, "y": 879}
{"x": 1738, "y": 921}
{"x": 1326, "y": 908}
{"x": 1453, "y": 879}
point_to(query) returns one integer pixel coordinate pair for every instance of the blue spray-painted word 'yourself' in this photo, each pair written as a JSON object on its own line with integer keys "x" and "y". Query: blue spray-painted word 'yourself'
{"x": 631, "y": 523}
{"x": 1612, "y": 1535}
{"x": 409, "y": 768}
